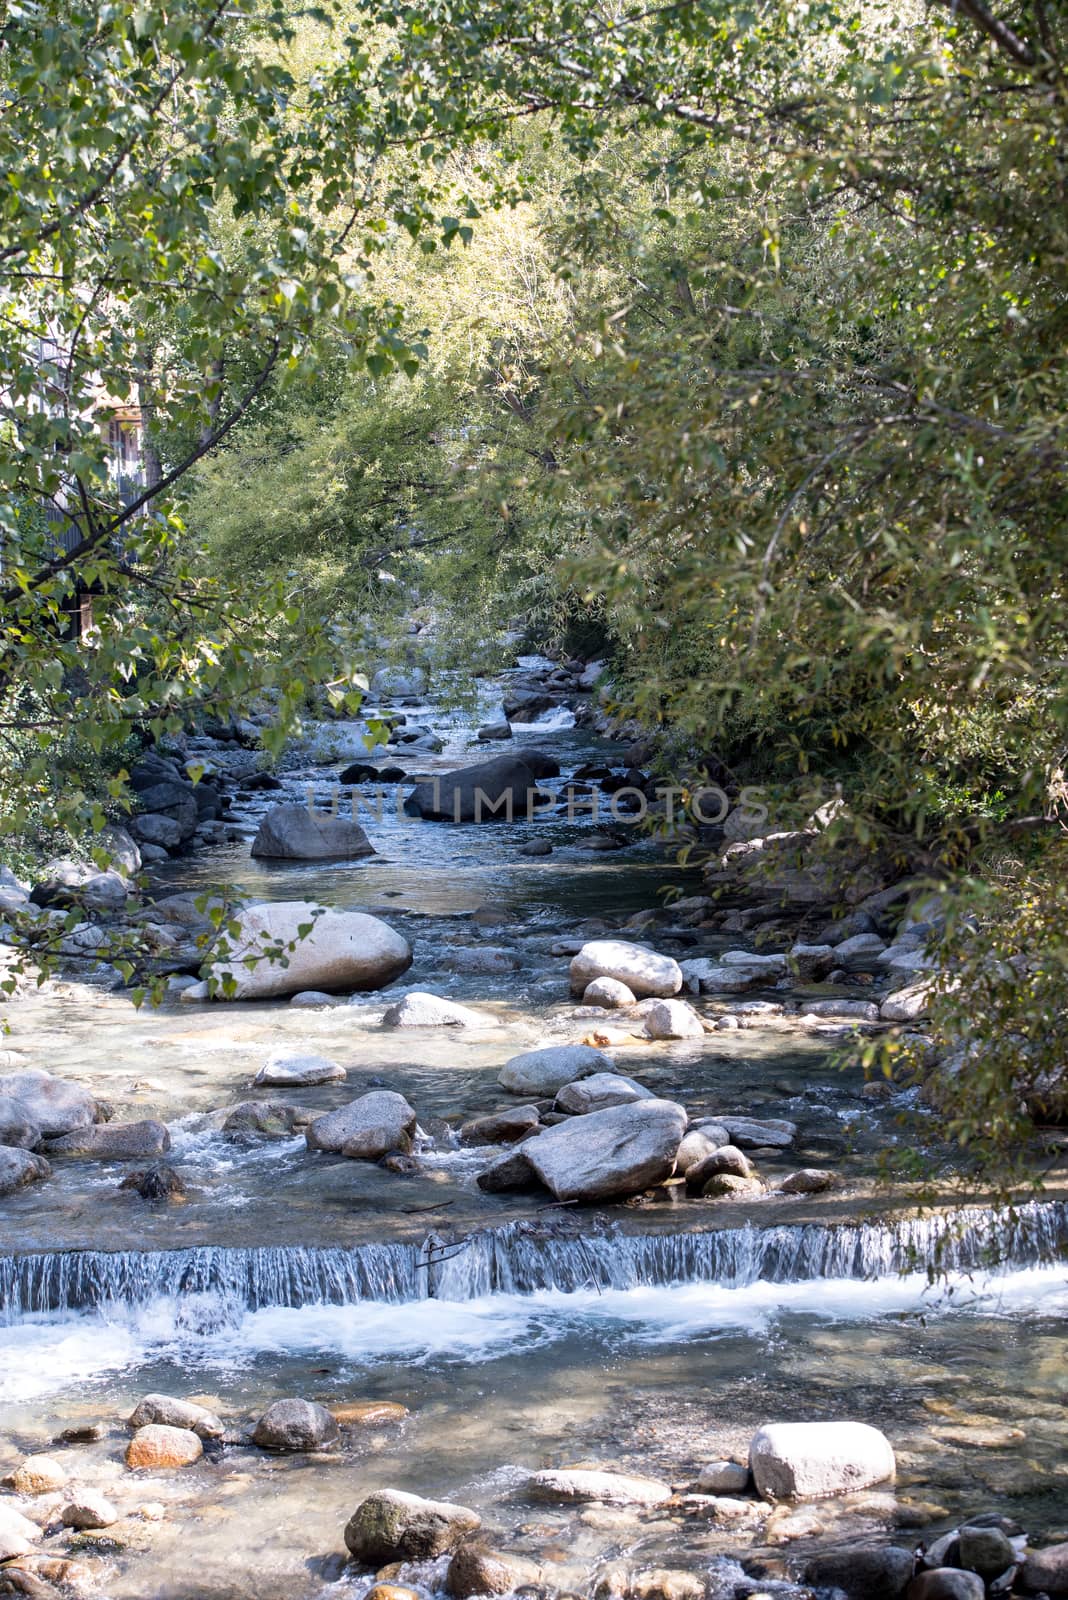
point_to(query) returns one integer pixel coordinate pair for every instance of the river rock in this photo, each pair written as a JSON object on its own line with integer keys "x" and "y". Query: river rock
{"x": 476, "y": 1569}
{"x": 1046, "y": 1571}
{"x": 535, "y": 847}
{"x": 908, "y": 1004}
{"x": 39, "y": 1474}
{"x": 698, "y": 1143}
{"x": 391, "y": 1525}
{"x": 946, "y": 1583}
{"x": 812, "y": 962}
{"x": 171, "y": 1412}
{"x": 55, "y": 1105}
{"x": 366, "y": 1128}
{"x": 17, "y": 1533}
{"x": 343, "y": 950}
{"x": 494, "y": 730}
{"x": 88, "y": 1508}
{"x": 608, "y": 1488}
{"x": 813, "y": 1460}
{"x": 843, "y": 1010}
{"x": 986, "y": 1551}
{"x": 264, "y": 1119}
{"x": 808, "y": 1180}
{"x": 751, "y": 1134}
{"x": 863, "y": 1572}
{"x": 156, "y": 831}
{"x": 673, "y": 1019}
{"x": 422, "y": 1010}
{"x": 726, "y": 1158}
{"x": 297, "y": 833}
{"x": 598, "y": 1092}
{"x": 508, "y": 1174}
{"x": 368, "y": 1413}
{"x": 115, "y": 1141}
{"x": 480, "y": 960}
{"x": 19, "y": 1168}
{"x": 730, "y": 1186}
{"x": 722, "y": 1477}
{"x": 609, "y": 1154}
{"x": 608, "y": 992}
{"x": 75, "y": 883}
{"x": 504, "y": 789}
{"x": 290, "y": 1426}
{"x": 16, "y": 1127}
{"x": 160, "y": 1182}
{"x": 544, "y": 1072}
{"x": 284, "y": 1070}
{"x": 158, "y": 1445}
{"x": 501, "y": 1127}
{"x": 644, "y": 972}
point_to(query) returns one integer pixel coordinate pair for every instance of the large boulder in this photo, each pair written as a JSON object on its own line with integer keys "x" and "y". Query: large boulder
{"x": 297, "y": 833}
{"x": 54, "y": 1105}
{"x": 155, "y": 829}
{"x": 812, "y": 1460}
{"x": 115, "y": 1141}
{"x": 366, "y": 1128}
{"x": 421, "y": 1010}
{"x": 399, "y": 683}
{"x": 296, "y": 1425}
{"x": 17, "y": 1127}
{"x": 609, "y": 1154}
{"x": 608, "y": 1488}
{"x": 863, "y": 1572}
{"x": 393, "y": 1526}
{"x": 642, "y": 970}
{"x": 340, "y": 950}
{"x": 500, "y": 790}
{"x": 543, "y": 1072}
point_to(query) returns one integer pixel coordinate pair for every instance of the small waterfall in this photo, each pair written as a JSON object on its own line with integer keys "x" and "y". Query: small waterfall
{"x": 528, "y": 1256}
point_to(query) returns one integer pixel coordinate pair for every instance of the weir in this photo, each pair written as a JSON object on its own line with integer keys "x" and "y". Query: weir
{"x": 525, "y": 1257}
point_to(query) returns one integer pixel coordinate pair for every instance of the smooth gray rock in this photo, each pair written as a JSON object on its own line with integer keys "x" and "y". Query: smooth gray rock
{"x": 673, "y": 1019}
{"x": 19, "y": 1168}
{"x": 986, "y": 1551}
{"x": 609, "y": 1154}
{"x": 813, "y": 1460}
{"x": 698, "y": 1143}
{"x": 157, "y": 830}
{"x": 608, "y": 992}
{"x": 722, "y": 1477}
{"x": 505, "y": 789}
{"x": 54, "y": 1104}
{"x": 70, "y": 883}
{"x": 17, "y": 1127}
{"x": 599, "y": 1092}
{"x": 501, "y": 1127}
{"x": 422, "y": 1010}
{"x": 296, "y": 833}
{"x": 391, "y": 1525}
{"x": 115, "y": 1141}
{"x": 544, "y": 1072}
{"x": 341, "y": 950}
{"x": 171, "y": 1412}
{"x": 863, "y": 1572}
{"x": 282, "y": 1070}
{"x": 267, "y": 1119}
{"x": 1046, "y": 1571}
{"x": 607, "y": 1488}
{"x": 290, "y": 1426}
{"x": 948, "y": 1583}
{"x": 644, "y": 972}
{"x": 751, "y": 1134}
{"x": 726, "y": 1160}
{"x": 367, "y": 1128}
{"x": 510, "y": 1173}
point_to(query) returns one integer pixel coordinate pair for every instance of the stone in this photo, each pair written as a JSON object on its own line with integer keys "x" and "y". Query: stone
{"x": 813, "y": 1460}
{"x": 986, "y": 1551}
{"x": 342, "y": 950}
{"x": 845, "y": 1010}
{"x": 123, "y": 855}
{"x": 751, "y": 1134}
{"x": 505, "y": 789}
{"x": 808, "y": 1180}
{"x": 725, "y": 1159}
{"x": 535, "y": 847}
{"x": 156, "y": 1183}
{"x": 722, "y": 1477}
{"x": 366, "y": 1128}
{"x": 493, "y": 731}
{"x": 509, "y": 1173}
{"x": 16, "y": 1126}
{"x": 55, "y": 1105}
{"x": 608, "y": 1488}
{"x": 1045, "y": 1571}
{"x": 88, "y": 1509}
{"x": 475, "y": 1569}
{"x": 673, "y": 1019}
{"x": 730, "y": 1185}
{"x": 501, "y": 1127}
{"x": 19, "y": 1168}
{"x": 297, "y": 833}
{"x": 399, "y": 683}
{"x": 608, "y": 992}
{"x": 159, "y": 1445}
{"x": 698, "y": 1143}
{"x": 480, "y": 960}
{"x": 422, "y": 1010}
{"x": 75, "y": 883}
{"x": 863, "y": 1572}
{"x": 859, "y": 950}
{"x": 368, "y": 1413}
{"x": 315, "y": 1000}
{"x": 18, "y": 1534}
{"x": 392, "y": 1591}
{"x": 907, "y": 1004}
{"x": 598, "y": 1092}
{"x": 812, "y": 962}
{"x": 648, "y": 1583}
{"x": 115, "y": 1141}
{"x": 266, "y": 1119}
{"x": 609, "y": 1154}
{"x": 545, "y": 1072}
{"x": 946, "y": 1583}
{"x": 39, "y": 1474}
{"x": 290, "y": 1426}
{"x": 391, "y": 1525}
{"x": 357, "y": 772}
{"x": 644, "y": 972}
{"x": 174, "y": 1413}
{"x": 156, "y": 830}
{"x": 284, "y": 1070}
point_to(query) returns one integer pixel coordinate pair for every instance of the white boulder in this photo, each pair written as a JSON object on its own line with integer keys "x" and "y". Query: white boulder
{"x": 295, "y": 945}
{"x": 813, "y": 1460}
{"x": 642, "y": 970}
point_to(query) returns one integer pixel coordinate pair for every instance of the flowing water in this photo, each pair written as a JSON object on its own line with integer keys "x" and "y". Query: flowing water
{"x": 650, "y": 1337}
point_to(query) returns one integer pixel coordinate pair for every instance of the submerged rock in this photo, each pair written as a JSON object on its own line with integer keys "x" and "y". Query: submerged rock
{"x": 366, "y": 1128}
{"x": 812, "y": 1460}
{"x": 391, "y": 1525}
{"x": 609, "y": 1488}
{"x": 297, "y": 833}
{"x": 339, "y": 950}
{"x": 642, "y": 970}
{"x": 290, "y": 1426}
{"x": 267, "y": 1119}
{"x": 609, "y": 1154}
